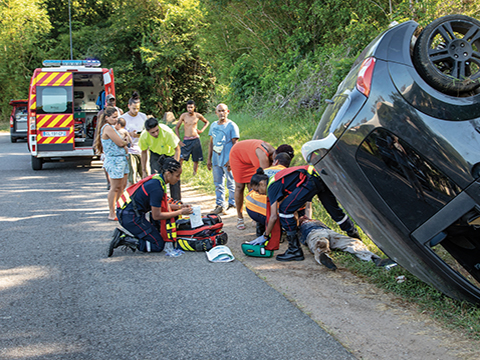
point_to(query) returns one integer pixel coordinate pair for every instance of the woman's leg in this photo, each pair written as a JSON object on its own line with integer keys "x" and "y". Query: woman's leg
{"x": 239, "y": 190}
{"x": 116, "y": 189}
{"x": 124, "y": 186}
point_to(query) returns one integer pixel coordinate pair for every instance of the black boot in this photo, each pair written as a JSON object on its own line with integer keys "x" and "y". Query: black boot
{"x": 354, "y": 234}
{"x": 294, "y": 251}
{"x": 119, "y": 238}
{"x": 260, "y": 229}
{"x": 327, "y": 261}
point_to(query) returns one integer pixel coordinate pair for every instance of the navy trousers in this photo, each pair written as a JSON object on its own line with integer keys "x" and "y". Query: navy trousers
{"x": 149, "y": 238}
{"x": 306, "y": 192}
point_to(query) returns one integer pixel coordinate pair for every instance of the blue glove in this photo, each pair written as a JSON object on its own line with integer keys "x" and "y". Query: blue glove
{"x": 258, "y": 241}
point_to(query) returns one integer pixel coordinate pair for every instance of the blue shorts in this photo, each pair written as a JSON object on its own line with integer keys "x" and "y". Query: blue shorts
{"x": 193, "y": 147}
{"x": 116, "y": 166}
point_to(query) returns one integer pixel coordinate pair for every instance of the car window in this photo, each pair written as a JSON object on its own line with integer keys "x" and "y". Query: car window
{"x": 54, "y": 99}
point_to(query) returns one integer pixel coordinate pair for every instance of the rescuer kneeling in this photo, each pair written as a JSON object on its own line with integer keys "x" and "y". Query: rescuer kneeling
{"x": 287, "y": 192}
{"x": 149, "y": 194}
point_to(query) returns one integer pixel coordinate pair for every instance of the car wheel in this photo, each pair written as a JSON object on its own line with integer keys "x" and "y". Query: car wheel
{"x": 13, "y": 139}
{"x": 447, "y": 54}
{"x": 37, "y": 163}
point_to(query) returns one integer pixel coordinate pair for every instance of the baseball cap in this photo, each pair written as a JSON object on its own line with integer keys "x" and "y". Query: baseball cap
{"x": 109, "y": 97}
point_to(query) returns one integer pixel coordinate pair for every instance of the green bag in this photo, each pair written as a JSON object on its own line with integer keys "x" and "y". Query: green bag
{"x": 256, "y": 250}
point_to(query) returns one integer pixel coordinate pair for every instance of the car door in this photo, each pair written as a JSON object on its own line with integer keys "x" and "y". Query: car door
{"x": 54, "y": 111}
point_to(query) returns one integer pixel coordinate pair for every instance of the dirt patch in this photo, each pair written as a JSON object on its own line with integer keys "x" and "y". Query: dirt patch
{"x": 369, "y": 322}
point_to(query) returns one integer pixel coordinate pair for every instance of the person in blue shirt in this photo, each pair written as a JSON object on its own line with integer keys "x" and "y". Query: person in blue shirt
{"x": 223, "y": 134}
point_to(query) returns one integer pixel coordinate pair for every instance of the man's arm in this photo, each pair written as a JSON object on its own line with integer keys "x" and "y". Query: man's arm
{"x": 273, "y": 218}
{"x": 210, "y": 153}
{"x": 227, "y": 164}
{"x": 202, "y": 118}
{"x": 177, "y": 152}
{"x": 144, "y": 163}
{"x": 177, "y": 128}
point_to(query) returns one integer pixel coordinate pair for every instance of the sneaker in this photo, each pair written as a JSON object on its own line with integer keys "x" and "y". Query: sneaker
{"x": 219, "y": 210}
{"x": 230, "y": 206}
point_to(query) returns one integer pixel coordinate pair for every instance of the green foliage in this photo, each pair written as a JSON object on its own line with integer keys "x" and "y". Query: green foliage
{"x": 22, "y": 26}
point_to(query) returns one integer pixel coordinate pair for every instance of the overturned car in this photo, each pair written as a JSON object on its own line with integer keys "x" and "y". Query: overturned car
{"x": 399, "y": 145}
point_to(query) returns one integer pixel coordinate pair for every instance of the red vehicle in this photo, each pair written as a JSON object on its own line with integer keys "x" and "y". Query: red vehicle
{"x": 18, "y": 120}
{"x": 63, "y": 101}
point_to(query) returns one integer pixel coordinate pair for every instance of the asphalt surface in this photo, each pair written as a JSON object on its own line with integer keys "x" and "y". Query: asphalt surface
{"x": 61, "y": 298}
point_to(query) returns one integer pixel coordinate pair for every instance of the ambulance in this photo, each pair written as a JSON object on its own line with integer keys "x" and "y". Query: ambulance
{"x": 63, "y": 101}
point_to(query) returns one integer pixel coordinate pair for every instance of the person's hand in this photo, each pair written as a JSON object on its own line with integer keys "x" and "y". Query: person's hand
{"x": 185, "y": 206}
{"x": 227, "y": 165}
{"x": 181, "y": 144}
{"x": 199, "y": 131}
{"x": 186, "y": 211}
{"x": 144, "y": 174}
{"x": 209, "y": 165}
{"x": 259, "y": 240}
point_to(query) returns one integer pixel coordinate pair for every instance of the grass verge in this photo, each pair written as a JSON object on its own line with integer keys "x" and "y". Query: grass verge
{"x": 278, "y": 128}
{"x": 4, "y": 126}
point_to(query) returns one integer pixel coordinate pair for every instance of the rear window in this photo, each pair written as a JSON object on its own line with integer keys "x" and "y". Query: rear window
{"x": 54, "y": 100}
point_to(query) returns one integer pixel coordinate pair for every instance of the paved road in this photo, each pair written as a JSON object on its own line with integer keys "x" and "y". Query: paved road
{"x": 60, "y": 298}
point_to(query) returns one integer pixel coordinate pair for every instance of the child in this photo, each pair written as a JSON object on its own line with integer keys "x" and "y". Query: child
{"x": 120, "y": 127}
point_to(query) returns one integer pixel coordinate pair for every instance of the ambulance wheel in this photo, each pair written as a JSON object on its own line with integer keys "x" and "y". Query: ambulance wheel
{"x": 13, "y": 139}
{"x": 37, "y": 163}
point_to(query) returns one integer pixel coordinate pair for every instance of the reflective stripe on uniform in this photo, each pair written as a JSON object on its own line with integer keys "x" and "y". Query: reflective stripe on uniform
{"x": 286, "y": 216}
{"x": 343, "y": 220}
{"x": 256, "y": 202}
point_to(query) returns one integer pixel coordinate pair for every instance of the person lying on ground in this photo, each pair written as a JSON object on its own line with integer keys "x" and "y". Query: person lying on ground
{"x": 287, "y": 192}
{"x": 320, "y": 239}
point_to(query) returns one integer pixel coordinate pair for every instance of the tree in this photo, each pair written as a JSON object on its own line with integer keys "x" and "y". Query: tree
{"x": 23, "y": 23}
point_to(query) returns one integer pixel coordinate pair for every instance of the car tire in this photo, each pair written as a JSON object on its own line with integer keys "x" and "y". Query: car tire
{"x": 447, "y": 54}
{"x": 37, "y": 163}
{"x": 13, "y": 139}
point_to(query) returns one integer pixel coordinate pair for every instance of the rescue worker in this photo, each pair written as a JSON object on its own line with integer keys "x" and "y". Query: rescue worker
{"x": 256, "y": 203}
{"x": 149, "y": 194}
{"x": 287, "y": 192}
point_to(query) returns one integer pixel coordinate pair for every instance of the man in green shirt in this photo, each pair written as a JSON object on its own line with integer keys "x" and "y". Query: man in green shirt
{"x": 161, "y": 141}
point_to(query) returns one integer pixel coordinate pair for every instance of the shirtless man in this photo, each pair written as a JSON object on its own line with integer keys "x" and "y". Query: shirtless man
{"x": 191, "y": 141}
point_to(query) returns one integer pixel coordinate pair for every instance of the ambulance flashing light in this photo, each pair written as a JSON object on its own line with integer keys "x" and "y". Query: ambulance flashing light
{"x": 57, "y": 63}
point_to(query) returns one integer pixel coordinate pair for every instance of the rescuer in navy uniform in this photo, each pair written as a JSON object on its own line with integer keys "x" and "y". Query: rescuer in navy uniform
{"x": 287, "y": 192}
{"x": 149, "y": 194}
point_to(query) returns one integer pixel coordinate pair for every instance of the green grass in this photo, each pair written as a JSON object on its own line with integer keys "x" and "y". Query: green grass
{"x": 4, "y": 125}
{"x": 277, "y": 128}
